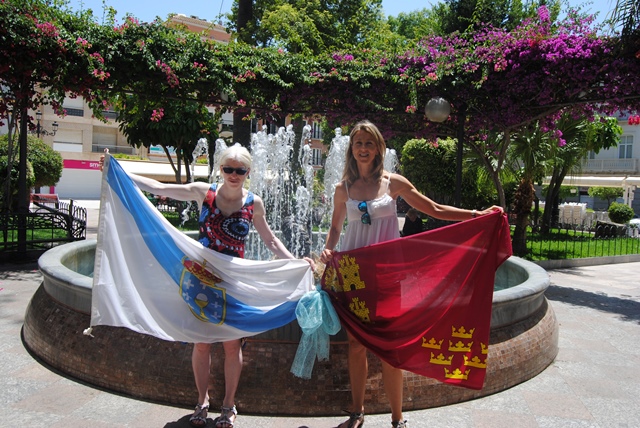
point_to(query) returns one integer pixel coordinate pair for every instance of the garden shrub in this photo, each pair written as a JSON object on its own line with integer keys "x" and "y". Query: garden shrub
{"x": 620, "y": 213}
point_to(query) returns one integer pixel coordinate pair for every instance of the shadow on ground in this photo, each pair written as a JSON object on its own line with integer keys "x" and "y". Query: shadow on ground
{"x": 629, "y": 310}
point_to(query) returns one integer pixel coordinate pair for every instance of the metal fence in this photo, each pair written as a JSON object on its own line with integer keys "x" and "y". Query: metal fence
{"x": 175, "y": 210}
{"x": 47, "y": 224}
{"x": 581, "y": 240}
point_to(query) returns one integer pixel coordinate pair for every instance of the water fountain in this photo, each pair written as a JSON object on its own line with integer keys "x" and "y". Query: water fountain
{"x": 524, "y": 331}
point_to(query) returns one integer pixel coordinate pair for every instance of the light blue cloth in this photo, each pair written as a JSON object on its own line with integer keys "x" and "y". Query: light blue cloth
{"x": 318, "y": 320}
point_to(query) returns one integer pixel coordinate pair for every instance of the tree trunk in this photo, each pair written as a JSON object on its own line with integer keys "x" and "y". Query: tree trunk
{"x": 23, "y": 191}
{"x": 495, "y": 177}
{"x": 245, "y": 15}
{"x": 550, "y": 213}
{"x": 298, "y": 124}
{"x": 522, "y": 209}
{"x": 494, "y": 173}
{"x": 241, "y": 128}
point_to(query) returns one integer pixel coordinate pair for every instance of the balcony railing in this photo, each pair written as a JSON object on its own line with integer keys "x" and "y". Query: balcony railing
{"x": 629, "y": 166}
{"x": 99, "y": 148}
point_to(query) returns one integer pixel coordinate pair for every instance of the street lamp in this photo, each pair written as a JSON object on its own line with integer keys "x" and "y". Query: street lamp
{"x": 40, "y": 130}
{"x": 437, "y": 109}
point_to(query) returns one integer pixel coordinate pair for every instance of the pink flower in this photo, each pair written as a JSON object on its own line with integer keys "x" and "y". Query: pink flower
{"x": 48, "y": 29}
{"x": 100, "y": 74}
{"x": 543, "y": 14}
{"x": 157, "y": 115}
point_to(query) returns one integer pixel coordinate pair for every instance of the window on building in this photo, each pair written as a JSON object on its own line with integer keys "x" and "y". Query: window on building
{"x": 73, "y": 106}
{"x": 106, "y": 138}
{"x": 625, "y": 147}
{"x": 68, "y": 140}
{"x": 316, "y": 157}
{"x": 273, "y": 128}
{"x": 316, "y": 131}
{"x": 66, "y": 146}
{"x": 110, "y": 114}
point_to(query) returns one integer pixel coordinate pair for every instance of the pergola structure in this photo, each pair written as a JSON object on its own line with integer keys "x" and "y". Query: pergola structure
{"x": 628, "y": 184}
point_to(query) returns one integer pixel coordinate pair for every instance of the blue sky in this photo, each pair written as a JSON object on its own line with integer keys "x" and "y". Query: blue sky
{"x": 147, "y": 10}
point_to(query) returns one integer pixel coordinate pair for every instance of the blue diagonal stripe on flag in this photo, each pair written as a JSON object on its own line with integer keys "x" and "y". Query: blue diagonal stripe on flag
{"x": 151, "y": 278}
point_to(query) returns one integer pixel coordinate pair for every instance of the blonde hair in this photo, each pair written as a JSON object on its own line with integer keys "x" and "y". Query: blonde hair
{"x": 350, "y": 173}
{"x": 237, "y": 153}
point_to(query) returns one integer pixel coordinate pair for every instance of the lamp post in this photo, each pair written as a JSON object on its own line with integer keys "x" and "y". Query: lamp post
{"x": 462, "y": 117}
{"x": 438, "y": 110}
{"x": 7, "y": 189}
{"x": 42, "y": 131}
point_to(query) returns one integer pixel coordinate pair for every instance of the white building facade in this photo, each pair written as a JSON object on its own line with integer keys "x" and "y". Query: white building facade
{"x": 615, "y": 167}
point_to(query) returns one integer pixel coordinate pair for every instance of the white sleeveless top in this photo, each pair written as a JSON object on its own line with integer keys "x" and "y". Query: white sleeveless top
{"x": 384, "y": 221}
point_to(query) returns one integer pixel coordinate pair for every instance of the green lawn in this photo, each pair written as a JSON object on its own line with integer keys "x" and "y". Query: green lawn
{"x": 562, "y": 244}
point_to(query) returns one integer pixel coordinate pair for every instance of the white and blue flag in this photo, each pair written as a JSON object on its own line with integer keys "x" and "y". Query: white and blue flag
{"x": 151, "y": 278}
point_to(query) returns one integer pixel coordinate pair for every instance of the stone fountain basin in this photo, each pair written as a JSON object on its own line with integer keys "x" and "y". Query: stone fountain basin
{"x": 523, "y": 342}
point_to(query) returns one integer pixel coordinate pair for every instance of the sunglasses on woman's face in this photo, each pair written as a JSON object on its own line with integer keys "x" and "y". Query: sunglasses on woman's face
{"x": 231, "y": 170}
{"x": 366, "y": 218}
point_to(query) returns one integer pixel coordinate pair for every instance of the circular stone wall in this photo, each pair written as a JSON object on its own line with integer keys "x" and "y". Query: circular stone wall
{"x": 523, "y": 342}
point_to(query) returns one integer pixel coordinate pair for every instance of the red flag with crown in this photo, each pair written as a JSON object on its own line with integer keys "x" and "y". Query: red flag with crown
{"x": 423, "y": 303}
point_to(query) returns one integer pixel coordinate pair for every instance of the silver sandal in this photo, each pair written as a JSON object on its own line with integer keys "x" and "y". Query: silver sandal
{"x": 356, "y": 420}
{"x": 224, "y": 420}
{"x": 399, "y": 424}
{"x": 199, "y": 418}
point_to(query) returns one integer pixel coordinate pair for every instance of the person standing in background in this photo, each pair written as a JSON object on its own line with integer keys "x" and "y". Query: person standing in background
{"x": 412, "y": 223}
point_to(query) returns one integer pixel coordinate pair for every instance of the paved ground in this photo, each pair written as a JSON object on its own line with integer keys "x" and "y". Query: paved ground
{"x": 594, "y": 381}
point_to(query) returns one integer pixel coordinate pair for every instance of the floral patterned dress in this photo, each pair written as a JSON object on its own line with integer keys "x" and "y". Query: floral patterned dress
{"x": 226, "y": 235}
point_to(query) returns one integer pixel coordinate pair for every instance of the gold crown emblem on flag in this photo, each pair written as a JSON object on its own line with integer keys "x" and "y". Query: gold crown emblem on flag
{"x": 462, "y": 332}
{"x": 200, "y": 272}
{"x": 457, "y": 374}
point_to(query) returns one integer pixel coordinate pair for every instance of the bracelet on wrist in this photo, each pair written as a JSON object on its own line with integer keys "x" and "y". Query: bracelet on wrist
{"x": 474, "y": 213}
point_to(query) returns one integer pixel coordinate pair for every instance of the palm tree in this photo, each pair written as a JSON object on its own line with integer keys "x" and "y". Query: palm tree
{"x": 626, "y": 14}
{"x": 530, "y": 149}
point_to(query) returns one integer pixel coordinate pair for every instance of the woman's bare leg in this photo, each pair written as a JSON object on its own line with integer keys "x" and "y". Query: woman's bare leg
{"x": 393, "y": 383}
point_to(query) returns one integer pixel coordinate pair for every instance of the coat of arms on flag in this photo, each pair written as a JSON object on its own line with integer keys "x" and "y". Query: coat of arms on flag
{"x": 198, "y": 288}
